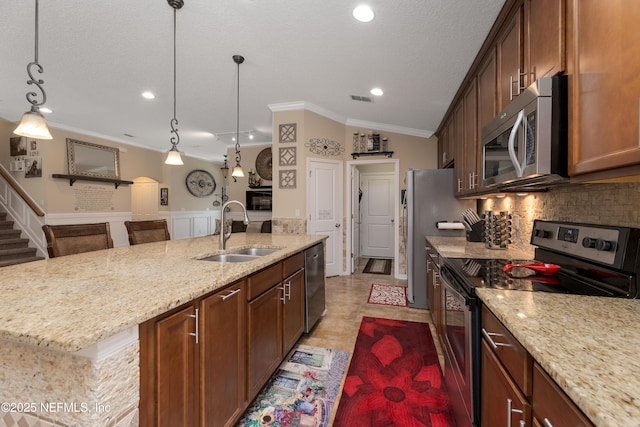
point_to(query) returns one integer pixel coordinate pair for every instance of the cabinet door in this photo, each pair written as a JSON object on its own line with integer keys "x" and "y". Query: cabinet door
{"x": 264, "y": 337}
{"x": 458, "y": 140}
{"x": 471, "y": 141}
{"x": 545, "y": 38}
{"x": 445, "y": 155}
{"x": 222, "y": 356}
{"x": 604, "y": 123}
{"x": 509, "y": 48}
{"x": 293, "y": 310}
{"x": 551, "y": 406}
{"x": 176, "y": 369}
{"x": 502, "y": 402}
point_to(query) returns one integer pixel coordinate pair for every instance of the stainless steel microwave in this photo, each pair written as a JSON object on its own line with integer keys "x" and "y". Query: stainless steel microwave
{"x": 525, "y": 146}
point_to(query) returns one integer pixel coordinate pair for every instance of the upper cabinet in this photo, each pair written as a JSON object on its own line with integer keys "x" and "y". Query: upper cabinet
{"x": 445, "y": 147}
{"x": 545, "y": 38}
{"x": 604, "y": 90}
{"x": 511, "y": 76}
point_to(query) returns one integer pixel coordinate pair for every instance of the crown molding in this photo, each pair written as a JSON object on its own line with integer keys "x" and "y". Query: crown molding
{"x": 304, "y": 105}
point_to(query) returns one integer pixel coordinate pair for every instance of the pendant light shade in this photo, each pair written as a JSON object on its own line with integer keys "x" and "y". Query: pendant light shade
{"x": 237, "y": 171}
{"x": 33, "y": 124}
{"x": 225, "y": 169}
{"x": 173, "y": 157}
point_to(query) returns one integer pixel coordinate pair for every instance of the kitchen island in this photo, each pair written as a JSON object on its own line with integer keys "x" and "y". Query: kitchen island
{"x": 69, "y": 325}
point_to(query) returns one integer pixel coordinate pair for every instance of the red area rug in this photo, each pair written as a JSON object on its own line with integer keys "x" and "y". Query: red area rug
{"x": 394, "y": 378}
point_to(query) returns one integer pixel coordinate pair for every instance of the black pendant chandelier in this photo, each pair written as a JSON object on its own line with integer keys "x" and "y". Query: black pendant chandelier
{"x": 173, "y": 157}
{"x": 33, "y": 124}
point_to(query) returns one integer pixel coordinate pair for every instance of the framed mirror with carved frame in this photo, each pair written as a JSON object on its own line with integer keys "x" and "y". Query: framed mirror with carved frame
{"x": 92, "y": 160}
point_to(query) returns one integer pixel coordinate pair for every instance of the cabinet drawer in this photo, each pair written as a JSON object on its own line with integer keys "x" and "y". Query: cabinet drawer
{"x": 516, "y": 360}
{"x": 263, "y": 280}
{"x": 551, "y": 406}
{"x": 292, "y": 264}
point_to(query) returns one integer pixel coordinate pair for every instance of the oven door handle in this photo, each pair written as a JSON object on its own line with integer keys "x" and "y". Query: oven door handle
{"x": 512, "y": 139}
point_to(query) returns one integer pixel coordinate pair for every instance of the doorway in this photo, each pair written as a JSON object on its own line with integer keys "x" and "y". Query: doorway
{"x": 373, "y": 202}
{"x": 324, "y": 207}
{"x": 144, "y": 199}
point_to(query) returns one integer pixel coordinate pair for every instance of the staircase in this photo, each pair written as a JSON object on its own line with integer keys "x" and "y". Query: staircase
{"x": 13, "y": 248}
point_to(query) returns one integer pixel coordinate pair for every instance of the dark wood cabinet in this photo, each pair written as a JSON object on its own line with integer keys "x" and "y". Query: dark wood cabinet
{"x": 603, "y": 114}
{"x": 551, "y": 406}
{"x": 264, "y": 337}
{"x": 434, "y": 291}
{"x": 203, "y": 363}
{"x": 275, "y": 318}
{"x": 223, "y": 356}
{"x": 509, "y": 45}
{"x": 445, "y": 152}
{"x": 470, "y": 141}
{"x": 168, "y": 370}
{"x": 458, "y": 141}
{"x": 293, "y": 310}
{"x": 503, "y": 404}
{"x": 544, "y": 38}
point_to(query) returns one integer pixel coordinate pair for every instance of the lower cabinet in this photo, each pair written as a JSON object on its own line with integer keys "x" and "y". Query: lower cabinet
{"x": 222, "y": 357}
{"x": 275, "y": 318}
{"x": 203, "y": 363}
{"x": 515, "y": 390}
{"x": 192, "y": 363}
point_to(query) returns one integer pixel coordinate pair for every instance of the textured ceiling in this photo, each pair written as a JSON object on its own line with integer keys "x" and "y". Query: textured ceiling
{"x": 99, "y": 56}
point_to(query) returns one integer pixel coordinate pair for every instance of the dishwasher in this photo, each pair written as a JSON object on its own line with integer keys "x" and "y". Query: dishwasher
{"x": 314, "y": 285}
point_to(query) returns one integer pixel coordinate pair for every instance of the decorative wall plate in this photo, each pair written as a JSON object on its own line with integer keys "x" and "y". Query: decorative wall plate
{"x": 264, "y": 164}
{"x": 200, "y": 183}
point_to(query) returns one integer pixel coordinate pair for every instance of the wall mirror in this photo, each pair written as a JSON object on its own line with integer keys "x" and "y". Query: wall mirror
{"x": 87, "y": 159}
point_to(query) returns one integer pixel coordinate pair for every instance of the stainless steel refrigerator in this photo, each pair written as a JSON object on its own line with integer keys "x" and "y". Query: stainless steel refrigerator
{"x": 428, "y": 199}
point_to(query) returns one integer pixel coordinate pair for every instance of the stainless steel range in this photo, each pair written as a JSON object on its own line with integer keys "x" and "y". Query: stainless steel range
{"x": 593, "y": 260}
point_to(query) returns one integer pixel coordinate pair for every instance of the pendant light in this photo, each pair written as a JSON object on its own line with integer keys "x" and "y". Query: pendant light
{"x": 173, "y": 157}
{"x": 237, "y": 169}
{"x": 33, "y": 124}
{"x": 225, "y": 169}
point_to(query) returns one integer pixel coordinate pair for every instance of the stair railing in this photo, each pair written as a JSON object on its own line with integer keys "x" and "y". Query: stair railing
{"x": 23, "y": 210}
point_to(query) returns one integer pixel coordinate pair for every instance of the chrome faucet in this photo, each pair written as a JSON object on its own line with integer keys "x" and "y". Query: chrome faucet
{"x": 224, "y": 235}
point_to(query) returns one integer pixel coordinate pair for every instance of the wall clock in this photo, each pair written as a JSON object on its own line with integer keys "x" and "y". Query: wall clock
{"x": 200, "y": 183}
{"x": 264, "y": 164}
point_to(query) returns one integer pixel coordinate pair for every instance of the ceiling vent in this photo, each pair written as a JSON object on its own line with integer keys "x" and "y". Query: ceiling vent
{"x": 362, "y": 98}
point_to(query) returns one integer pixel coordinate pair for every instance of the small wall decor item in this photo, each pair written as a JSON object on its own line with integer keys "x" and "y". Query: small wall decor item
{"x": 287, "y": 156}
{"x": 264, "y": 164}
{"x": 200, "y": 183}
{"x": 164, "y": 196}
{"x": 287, "y": 132}
{"x": 17, "y": 146}
{"x": 33, "y": 167}
{"x": 287, "y": 179}
{"x": 16, "y": 165}
{"x": 324, "y": 147}
{"x": 356, "y": 142}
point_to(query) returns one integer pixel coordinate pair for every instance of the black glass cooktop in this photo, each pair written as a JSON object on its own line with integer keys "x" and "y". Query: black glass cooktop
{"x": 571, "y": 279}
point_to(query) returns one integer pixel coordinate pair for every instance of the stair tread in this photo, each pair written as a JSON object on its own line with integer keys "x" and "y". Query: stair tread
{"x": 10, "y": 251}
{"x": 8, "y": 262}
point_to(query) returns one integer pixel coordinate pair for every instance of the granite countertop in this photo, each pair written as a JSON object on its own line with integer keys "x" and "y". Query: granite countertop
{"x": 71, "y": 302}
{"x": 459, "y": 247}
{"x": 589, "y": 345}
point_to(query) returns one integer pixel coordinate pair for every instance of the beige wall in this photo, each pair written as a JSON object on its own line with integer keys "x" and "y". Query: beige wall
{"x": 237, "y": 190}
{"x": 56, "y": 196}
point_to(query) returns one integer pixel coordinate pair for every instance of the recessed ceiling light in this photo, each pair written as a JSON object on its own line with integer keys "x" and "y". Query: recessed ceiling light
{"x": 148, "y": 95}
{"x": 377, "y": 91}
{"x": 45, "y": 110}
{"x": 251, "y": 136}
{"x": 363, "y": 13}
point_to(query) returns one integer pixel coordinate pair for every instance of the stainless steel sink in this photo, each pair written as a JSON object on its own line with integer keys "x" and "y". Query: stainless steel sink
{"x": 230, "y": 258}
{"x": 254, "y": 251}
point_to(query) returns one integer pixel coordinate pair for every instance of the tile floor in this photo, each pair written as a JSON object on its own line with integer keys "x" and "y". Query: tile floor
{"x": 346, "y": 298}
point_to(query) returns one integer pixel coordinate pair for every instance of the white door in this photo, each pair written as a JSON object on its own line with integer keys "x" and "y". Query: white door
{"x": 355, "y": 218}
{"x": 325, "y": 209}
{"x": 144, "y": 200}
{"x": 377, "y": 214}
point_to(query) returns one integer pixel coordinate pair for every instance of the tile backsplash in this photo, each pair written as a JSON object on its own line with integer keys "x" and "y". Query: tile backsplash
{"x": 610, "y": 204}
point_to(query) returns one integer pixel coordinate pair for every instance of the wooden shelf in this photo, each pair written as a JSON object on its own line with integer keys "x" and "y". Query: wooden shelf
{"x": 372, "y": 153}
{"x": 74, "y": 178}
